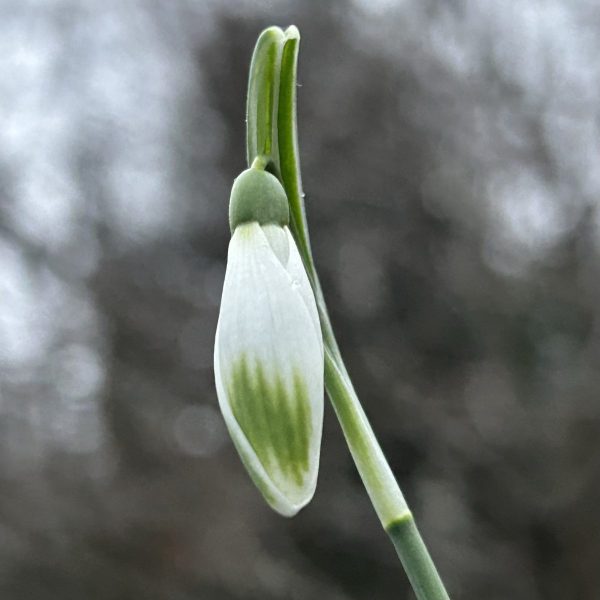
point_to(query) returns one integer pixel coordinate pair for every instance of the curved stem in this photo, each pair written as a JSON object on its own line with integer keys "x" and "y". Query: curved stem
{"x": 374, "y": 470}
{"x": 289, "y": 162}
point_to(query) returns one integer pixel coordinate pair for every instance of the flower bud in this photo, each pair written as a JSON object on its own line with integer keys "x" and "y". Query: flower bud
{"x": 269, "y": 353}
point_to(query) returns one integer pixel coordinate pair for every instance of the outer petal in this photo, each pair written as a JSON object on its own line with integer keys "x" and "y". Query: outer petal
{"x": 297, "y": 272}
{"x": 269, "y": 368}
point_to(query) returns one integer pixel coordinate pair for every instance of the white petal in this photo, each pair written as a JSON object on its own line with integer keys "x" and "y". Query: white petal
{"x": 279, "y": 242}
{"x": 269, "y": 368}
{"x": 295, "y": 267}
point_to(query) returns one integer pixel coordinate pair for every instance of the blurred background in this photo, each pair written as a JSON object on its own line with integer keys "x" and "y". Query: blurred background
{"x": 451, "y": 159}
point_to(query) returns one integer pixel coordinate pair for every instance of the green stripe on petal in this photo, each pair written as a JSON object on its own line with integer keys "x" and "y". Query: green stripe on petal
{"x": 275, "y": 420}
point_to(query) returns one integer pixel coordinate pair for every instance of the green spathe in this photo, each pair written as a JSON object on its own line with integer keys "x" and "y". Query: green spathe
{"x": 262, "y": 103}
{"x": 258, "y": 196}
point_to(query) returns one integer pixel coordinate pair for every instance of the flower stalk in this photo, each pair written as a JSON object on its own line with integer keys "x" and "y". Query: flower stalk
{"x": 272, "y": 133}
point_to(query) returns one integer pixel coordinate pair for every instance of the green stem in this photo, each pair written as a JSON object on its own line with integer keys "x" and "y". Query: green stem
{"x": 419, "y": 567}
{"x": 378, "y": 479}
{"x": 374, "y": 470}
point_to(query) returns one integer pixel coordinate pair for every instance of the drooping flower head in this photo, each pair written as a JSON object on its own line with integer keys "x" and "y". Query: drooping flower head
{"x": 268, "y": 348}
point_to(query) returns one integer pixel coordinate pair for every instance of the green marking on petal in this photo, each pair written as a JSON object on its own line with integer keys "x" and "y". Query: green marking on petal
{"x": 275, "y": 416}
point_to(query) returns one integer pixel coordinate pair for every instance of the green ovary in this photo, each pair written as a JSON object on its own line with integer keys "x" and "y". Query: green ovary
{"x": 275, "y": 418}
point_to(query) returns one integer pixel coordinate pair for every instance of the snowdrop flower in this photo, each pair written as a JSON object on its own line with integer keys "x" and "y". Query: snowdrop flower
{"x": 269, "y": 348}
